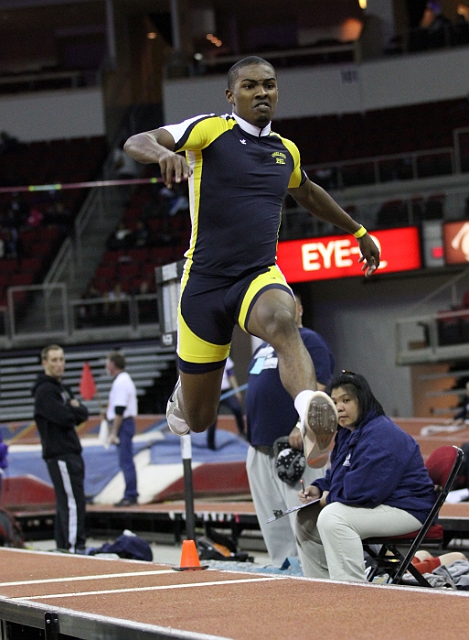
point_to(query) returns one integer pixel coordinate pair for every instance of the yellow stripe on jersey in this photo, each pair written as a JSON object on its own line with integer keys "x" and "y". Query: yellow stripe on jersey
{"x": 199, "y": 138}
{"x": 206, "y": 131}
{"x": 195, "y": 161}
{"x": 297, "y": 175}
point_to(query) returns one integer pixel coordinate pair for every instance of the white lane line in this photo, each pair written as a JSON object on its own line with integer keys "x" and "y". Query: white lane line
{"x": 82, "y": 578}
{"x": 156, "y": 588}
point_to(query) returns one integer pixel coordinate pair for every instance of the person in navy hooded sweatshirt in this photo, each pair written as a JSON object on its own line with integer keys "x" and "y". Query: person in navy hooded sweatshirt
{"x": 377, "y": 485}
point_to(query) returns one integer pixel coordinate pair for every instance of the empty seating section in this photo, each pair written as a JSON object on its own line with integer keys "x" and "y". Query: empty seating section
{"x": 464, "y": 149}
{"x": 51, "y": 162}
{"x": 133, "y": 267}
{"x": 383, "y": 132}
{"x": 340, "y": 149}
{"x": 387, "y": 145}
{"x": 396, "y": 213}
{"x": 38, "y": 163}
{"x": 39, "y": 247}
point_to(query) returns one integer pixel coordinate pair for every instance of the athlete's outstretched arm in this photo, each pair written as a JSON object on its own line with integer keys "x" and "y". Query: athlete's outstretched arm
{"x": 157, "y": 146}
{"x": 320, "y": 204}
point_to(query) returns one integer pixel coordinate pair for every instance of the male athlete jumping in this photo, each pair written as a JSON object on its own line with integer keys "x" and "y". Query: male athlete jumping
{"x": 239, "y": 171}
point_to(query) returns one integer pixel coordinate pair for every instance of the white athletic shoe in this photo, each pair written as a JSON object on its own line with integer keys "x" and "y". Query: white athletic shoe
{"x": 176, "y": 422}
{"x": 318, "y": 429}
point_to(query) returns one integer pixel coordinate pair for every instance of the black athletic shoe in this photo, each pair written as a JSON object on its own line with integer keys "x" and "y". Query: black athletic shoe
{"x": 126, "y": 502}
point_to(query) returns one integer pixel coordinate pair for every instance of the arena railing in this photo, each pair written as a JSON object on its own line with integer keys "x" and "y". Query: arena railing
{"x": 432, "y": 338}
{"x": 46, "y": 80}
{"x": 413, "y": 165}
{"x": 179, "y": 65}
{"x": 365, "y": 204}
{"x": 4, "y": 322}
{"x": 436, "y": 336}
{"x": 406, "y": 42}
{"x": 98, "y": 201}
{"x": 132, "y": 312}
{"x": 59, "y": 318}
{"x": 364, "y": 198}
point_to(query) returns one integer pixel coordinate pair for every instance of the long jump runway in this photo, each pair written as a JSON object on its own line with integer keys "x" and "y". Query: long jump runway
{"x": 87, "y": 597}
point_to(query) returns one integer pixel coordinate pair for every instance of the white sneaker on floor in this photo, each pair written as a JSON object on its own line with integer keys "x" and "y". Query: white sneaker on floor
{"x": 318, "y": 429}
{"x": 176, "y": 422}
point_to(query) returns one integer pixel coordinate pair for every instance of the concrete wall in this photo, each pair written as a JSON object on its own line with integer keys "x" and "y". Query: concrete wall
{"x": 50, "y": 115}
{"x": 347, "y": 88}
{"x": 305, "y": 91}
{"x": 357, "y": 317}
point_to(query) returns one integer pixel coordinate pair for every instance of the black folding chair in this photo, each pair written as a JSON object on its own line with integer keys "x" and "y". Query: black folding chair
{"x": 443, "y": 466}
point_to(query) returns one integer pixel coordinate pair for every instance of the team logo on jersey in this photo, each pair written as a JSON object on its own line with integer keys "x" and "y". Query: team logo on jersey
{"x": 243, "y": 141}
{"x": 279, "y": 157}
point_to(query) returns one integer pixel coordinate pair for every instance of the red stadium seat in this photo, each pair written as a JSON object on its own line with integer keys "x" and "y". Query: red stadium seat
{"x": 129, "y": 270}
{"x": 31, "y": 264}
{"x": 106, "y": 272}
{"x": 9, "y": 265}
{"x": 21, "y": 279}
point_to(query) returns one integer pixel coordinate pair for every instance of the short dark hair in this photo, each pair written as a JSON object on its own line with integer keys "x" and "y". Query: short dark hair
{"x": 50, "y": 347}
{"x": 245, "y": 62}
{"x": 117, "y": 359}
{"x": 357, "y": 386}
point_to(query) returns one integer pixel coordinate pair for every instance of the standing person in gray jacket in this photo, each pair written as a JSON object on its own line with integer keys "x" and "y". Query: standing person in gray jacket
{"x": 57, "y": 414}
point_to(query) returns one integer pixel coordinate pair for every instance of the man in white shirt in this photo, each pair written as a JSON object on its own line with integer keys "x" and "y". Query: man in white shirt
{"x": 121, "y": 412}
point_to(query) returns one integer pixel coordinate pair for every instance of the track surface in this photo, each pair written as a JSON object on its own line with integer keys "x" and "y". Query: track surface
{"x": 228, "y": 604}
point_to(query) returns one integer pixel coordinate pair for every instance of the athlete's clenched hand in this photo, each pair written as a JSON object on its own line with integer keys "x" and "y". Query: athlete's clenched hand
{"x": 174, "y": 167}
{"x": 157, "y": 146}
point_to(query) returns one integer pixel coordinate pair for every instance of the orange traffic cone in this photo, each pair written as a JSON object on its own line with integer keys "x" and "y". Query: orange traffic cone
{"x": 189, "y": 558}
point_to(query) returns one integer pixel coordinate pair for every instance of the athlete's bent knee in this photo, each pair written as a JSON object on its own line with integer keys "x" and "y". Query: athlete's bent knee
{"x": 280, "y": 326}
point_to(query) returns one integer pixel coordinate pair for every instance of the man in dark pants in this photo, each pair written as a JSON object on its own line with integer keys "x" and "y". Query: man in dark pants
{"x": 121, "y": 412}
{"x": 232, "y": 402}
{"x": 57, "y": 413}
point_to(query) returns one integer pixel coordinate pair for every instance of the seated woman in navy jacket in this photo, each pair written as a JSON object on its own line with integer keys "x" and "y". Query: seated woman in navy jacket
{"x": 377, "y": 485}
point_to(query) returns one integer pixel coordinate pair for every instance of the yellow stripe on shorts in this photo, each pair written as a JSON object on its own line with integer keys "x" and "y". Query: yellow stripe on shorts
{"x": 272, "y": 276}
{"x": 195, "y": 346}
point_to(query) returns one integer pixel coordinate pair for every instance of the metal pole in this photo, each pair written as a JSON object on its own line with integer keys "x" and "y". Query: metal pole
{"x": 175, "y": 25}
{"x": 186, "y": 452}
{"x": 110, "y": 34}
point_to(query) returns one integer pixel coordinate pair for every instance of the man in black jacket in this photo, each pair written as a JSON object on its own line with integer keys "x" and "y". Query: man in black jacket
{"x": 57, "y": 413}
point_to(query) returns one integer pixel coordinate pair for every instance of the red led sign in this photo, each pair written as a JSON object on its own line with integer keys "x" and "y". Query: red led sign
{"x": 337, "y": 256}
